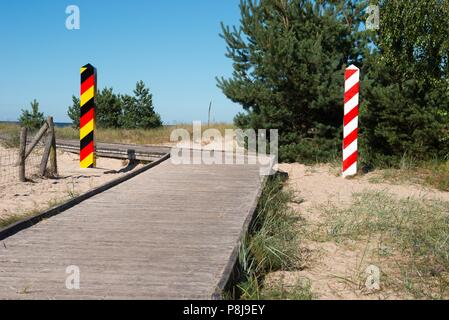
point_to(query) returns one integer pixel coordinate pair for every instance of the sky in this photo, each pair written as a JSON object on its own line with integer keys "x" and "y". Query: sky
{"x": 173, "y": 46}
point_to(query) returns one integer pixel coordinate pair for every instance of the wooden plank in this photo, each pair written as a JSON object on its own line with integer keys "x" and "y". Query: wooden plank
{"x": 118, "y": 151}
{"x": 36, "y": 139}
{"x": 49, "y": 151}
{"x": 45, "y": 156}
{"x": 168, "y": 233}
{"x": 161, "y": 150}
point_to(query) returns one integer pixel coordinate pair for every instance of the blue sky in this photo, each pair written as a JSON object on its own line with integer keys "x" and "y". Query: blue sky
{"x": 173, "y": 46}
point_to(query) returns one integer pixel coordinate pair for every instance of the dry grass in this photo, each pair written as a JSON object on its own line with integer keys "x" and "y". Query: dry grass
{"x": 270, "y": 245}
{"x": 279, "y": 290}
{"x": 9, "y": 128}
{"x": 132, "y": 136}
{"x": 9, "y": 135}
{"x": 411, "y": 238}
{"x": 13, "y": 218}
{"x": 10, "y": 220}
{"x": 138, "y": 136}
{"x": 434, "y": 174}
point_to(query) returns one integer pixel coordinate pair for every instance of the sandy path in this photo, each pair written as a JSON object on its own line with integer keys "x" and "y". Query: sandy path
{"x": 337, "y": 271}
{"x": 40, "y": 194}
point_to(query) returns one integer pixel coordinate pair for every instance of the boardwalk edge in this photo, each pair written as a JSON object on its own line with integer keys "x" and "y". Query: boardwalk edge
{"x": 229, "y": 270}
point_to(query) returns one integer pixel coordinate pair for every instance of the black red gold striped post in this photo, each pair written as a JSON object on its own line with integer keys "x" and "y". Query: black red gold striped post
{"x": 87, "y": 116}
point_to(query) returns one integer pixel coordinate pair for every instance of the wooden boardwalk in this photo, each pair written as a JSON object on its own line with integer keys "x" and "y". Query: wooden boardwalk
{"x": 118, "y": 151}
{"x": 168, "y": 233}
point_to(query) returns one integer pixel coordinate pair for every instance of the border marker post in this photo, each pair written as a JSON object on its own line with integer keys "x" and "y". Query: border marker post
{"x": 87, "y": 116}
{"x": 350, "y": 121}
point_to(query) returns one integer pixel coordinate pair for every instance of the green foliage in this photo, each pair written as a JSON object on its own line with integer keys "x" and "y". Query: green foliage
{"x": 289, "y": 58}
{"x": 144, "y": 102}
{"x": 138, "y": 111}
{"x": 32, "y": 119}
{"x": 312, "y": 150}
{"x": 74, "y": 112}
{"x": 405, "y": 110}
{"x": 271, "y": 243}
{"x": 130, "y": 117}
{"x": 273, "y": 238}
{"x": 109, "y": 109}
{"x": 121, "y": 111}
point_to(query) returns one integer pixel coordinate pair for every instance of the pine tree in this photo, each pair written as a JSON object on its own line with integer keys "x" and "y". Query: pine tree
{"x": 74, "y": 112}
{"x": 130, "y": 118}
{"x": 289, "y": 58}
{"x": 32, "y": 119}
{"x": 148, "y": 118}
{"x": 120, "y": 111}
{"x": 406, "y": 111}
{"x": 108, "y": 109}
{"x": 138, "y": 111}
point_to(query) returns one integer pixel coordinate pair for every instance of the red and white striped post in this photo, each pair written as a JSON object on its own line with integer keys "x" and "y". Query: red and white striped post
{"x": 351, "y": 118}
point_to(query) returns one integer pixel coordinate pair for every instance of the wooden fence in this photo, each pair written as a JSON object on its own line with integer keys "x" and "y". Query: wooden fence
{"x": 47, "y": 132}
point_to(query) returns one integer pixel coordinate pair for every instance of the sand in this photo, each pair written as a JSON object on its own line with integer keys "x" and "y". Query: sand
{"x": 39, "y": 194}
{"x": 335, "y": 271}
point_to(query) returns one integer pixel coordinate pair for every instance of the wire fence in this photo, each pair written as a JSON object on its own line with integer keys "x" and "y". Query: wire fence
{"x": 9, "y": 164}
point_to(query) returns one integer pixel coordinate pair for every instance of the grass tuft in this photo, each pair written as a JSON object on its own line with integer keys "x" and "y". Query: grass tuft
{"x": 300, "y": 290}
{"x": 11, "y": 219}
{"x": 14, "y": 218}
{"x": 271, "y": 243}
{"x": 433, "y": 174}
{"x": 414, "y": 233}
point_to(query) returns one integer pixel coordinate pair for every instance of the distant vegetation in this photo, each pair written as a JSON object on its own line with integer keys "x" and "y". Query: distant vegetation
{"x": 160, "y": 135}
{"x": 32, "y": 119}
{"x": 121, "y": 111}
{"x": 112, "y": 111}
{"x": 9, "y": 132}
{"x": 289, "y": 59}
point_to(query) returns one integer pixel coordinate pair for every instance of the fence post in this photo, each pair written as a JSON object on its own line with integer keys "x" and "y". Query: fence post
{"x": 350, "y": 122}
{"x": 53, "y": 155}
{"x": 49, "y": 151}
{"x": 36, "y": 139}
{"x": 87, "y": 116}
{"x": 22, "y": 149}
